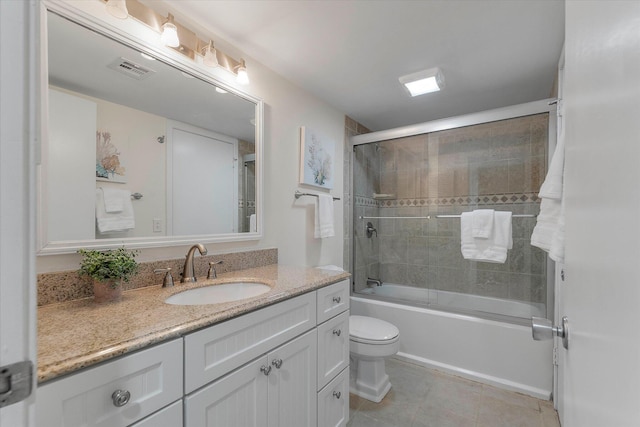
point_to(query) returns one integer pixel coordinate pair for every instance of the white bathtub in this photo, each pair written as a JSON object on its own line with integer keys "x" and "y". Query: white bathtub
{"x": 457, "y": 301}
{"x": 493, "y": 352}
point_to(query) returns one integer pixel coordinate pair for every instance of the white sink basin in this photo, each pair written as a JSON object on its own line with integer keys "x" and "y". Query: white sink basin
{"x": 216, "y": 294}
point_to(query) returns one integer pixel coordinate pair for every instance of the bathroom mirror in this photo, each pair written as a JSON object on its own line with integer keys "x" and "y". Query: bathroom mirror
{"x": 139, "y": 150}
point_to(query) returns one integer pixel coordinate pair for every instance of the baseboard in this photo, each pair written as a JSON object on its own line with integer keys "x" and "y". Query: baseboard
{"x": 475, "y": 376}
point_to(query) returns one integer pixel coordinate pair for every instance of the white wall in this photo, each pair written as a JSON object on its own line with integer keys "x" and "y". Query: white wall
{"x": 288, "y": 223}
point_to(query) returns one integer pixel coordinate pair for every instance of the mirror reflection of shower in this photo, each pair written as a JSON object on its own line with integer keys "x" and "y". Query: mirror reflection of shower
{"x": 248, "y": 211}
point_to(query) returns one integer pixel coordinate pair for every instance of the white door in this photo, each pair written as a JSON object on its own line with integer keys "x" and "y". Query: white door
{"x": 18, "y": 31}
{"x": 601, "y": 291}
{"x": 203, "y": 165}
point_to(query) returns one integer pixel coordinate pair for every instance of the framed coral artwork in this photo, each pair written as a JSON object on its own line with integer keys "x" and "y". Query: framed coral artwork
{"x": 317, "y": 158}
{"x": 109, "y": 163}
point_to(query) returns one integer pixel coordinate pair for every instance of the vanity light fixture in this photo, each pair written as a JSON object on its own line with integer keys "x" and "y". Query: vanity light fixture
{"x": 210, "y": 55}
{"x": 242, "y": 75}
{"x": 117, "y": 8}
{"x": 169, "y": 35}
{"x": 182, "y": 39}
{"x": 427, "y": 81}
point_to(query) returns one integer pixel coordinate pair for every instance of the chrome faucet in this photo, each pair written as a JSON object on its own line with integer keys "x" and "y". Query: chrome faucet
{"x": 371, "y": 281}
{"x": 189, "y": 271}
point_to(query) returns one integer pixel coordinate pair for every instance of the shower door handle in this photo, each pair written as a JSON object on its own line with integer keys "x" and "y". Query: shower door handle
{"x": 543, "y": 329}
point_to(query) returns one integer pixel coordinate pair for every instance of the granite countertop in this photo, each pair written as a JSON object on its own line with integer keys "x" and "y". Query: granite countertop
{"x": 80, "y": 333}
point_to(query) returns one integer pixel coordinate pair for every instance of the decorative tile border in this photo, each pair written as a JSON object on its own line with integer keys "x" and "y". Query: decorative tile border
{"x": 489, "y": 199}
{"x": 68, "y": 285}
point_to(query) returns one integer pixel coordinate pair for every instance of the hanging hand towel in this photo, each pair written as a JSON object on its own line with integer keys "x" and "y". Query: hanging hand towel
{"x": 116, "y": 221}
{"x": 482, "y": 223}
{"x": 548, "y": 233}
{"x": 492, "y": 249}
{"x": 324, "y": 217}
{"x": 252, "y": 223}
{"x": 114, "y": 199}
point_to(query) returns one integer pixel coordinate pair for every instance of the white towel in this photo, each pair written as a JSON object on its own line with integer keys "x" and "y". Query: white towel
{"x": 492, "y": 249}
{"x": 116, "y": 221}
{"x": 324, "y": 217}
{"x": 548, "y": 233}
{"x": 114, "y": 199}
{"x": 252, "y": 223}
{"x": 482, "y": 223}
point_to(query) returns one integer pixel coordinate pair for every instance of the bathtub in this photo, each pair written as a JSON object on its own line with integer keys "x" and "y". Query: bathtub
{"x": 493, "y": 352}
{"x": 456, "y": 301}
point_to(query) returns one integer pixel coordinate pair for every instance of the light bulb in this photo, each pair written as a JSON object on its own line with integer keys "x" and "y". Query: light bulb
{"x": 243, "y": 76}
{"x": 210, "y": 56}
{"x": 169, "y": 35}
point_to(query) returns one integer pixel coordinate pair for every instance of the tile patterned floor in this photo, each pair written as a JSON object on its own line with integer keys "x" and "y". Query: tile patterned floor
{"x": 421, "y": 397}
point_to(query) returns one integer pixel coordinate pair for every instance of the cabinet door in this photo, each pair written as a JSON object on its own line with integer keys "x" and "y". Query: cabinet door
{"x": 292, "y": 383}
{"x": 332, "y": 300}
{"x": 236, "y": 400}
{"x": 171, "y": 416}
{"x": 333, "y": 402}
{"x": 333, "y": 348}
{"x": 151, "y": 378}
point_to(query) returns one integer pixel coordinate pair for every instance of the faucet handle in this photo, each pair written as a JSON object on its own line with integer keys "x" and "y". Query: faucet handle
{"x": 211, "y": 274}
{"x": 167, "y": 282}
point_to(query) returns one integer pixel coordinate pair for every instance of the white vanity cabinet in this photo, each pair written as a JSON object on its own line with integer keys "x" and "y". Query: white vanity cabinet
{"x": 275, "y": 390}
{"x": 333, "y": 355}
{"x": 117, "y": 393}
{"x": 285, "y": 365}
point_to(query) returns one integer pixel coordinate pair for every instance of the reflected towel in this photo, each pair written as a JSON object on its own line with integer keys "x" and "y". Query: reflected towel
{"x": 116, "y": 221}
{"x": 482, "y": 223}
{"x": 252, "y": 223}
{"x": 114, "y": 199}
{"x": 492, "y": 249}
{"x": 324, "y": 217}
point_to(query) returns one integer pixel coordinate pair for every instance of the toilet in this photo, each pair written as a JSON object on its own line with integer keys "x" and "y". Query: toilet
{"x": 370, "y": 341}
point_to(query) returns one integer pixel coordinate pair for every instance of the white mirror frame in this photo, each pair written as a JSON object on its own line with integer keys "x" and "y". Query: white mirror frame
{"x": 93, "y": 15}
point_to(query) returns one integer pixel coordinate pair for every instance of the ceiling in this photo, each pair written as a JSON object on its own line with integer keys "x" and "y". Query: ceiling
{"x": 350, "y": 53}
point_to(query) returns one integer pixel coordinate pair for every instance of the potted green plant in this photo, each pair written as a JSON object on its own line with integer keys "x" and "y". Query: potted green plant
{"x": 108, "y": 269}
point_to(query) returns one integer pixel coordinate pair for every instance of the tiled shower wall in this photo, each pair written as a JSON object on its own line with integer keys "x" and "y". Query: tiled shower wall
{"x": 498, "y": 165}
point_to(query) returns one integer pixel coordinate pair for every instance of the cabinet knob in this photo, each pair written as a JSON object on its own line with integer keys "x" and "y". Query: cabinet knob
{"x": 277, "y": 363}
{"x": 120, "y": 397}
{"x": 337, "y": 332}
{"x": 337, "y": 300}
{"x": 265, "y": 369}
{"x": 337, "y": 394}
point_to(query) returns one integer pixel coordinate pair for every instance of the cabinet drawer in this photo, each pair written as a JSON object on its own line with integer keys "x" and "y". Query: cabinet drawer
{"x": 153, "y": 377}
{"x": 333, "y": 402}
{"x": 332, "y": 300}
{"x": 333, "y": 348}
{"x": 214, "y": 351}
{"x": 171, "y": 416}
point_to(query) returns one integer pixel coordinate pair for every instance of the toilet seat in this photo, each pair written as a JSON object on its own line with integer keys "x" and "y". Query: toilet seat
{"x": 369, "y": 330}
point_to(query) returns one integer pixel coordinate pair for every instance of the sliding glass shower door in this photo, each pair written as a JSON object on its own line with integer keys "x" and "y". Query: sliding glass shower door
{"x": 408, "y": 194}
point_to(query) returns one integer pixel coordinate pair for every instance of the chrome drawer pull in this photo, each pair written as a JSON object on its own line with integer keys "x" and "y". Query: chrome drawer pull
{"x": 337, "y": 332}
{"x": 337, "y": 394}
{"x": 337, "y": 300}
{"x": 120, "y": 397}
{"x": 277, "y": 363}
{"x": 265, "y": 369}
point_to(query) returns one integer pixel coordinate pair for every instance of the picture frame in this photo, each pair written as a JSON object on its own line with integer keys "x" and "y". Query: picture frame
{"x": 317, "y": 159}
{"x": 109, "y": 163}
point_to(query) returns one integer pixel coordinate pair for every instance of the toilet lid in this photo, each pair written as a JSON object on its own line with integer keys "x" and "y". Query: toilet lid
{"x": 370, "y": 328}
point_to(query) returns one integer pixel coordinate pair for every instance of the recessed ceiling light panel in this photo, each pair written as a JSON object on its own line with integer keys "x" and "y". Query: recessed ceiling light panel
{"x": 431, "y": 80}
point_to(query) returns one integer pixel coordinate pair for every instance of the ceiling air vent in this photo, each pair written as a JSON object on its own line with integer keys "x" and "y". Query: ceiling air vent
{"x": 131, "y": 69}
